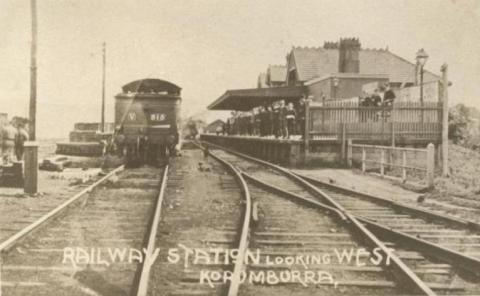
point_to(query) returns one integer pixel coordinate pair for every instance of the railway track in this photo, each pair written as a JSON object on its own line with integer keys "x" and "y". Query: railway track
{"x": 66, "y": 251}
{"x": 443, "y": 238}
{"x": 90, "y": 245}
{"x": 205, "y": 214}
{"x": 28, "y": 214}
{"x": 300, "y": 251}
{"x": 433, "y": 264}
{"x": 281, "y": 230}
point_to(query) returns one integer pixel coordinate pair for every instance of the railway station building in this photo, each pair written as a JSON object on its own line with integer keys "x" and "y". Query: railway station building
{"x": 273, "y": 77}
{"x": 335, "y": 78}
{"x": 215, "y": 126}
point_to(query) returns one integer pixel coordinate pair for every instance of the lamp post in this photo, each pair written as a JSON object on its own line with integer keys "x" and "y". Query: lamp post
{"x": 421, "y": 58}
{"x": 336, "y": 81}
{"x": 102, "y": 128}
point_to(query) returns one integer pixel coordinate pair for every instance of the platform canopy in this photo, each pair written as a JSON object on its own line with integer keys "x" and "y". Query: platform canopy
{"x": 247, "y": 99}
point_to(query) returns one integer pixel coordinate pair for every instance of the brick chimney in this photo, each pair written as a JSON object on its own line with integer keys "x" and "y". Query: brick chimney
{"x": 348, "y": 58}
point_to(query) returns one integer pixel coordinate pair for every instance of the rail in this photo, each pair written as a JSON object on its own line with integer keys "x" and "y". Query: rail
{"x": 441, "y": 253}
{"x": 8, "y": 243}
{"x": 142, "y": 287}
{"x": 394, "y": 158}
{"x": 401, "y": 271}
{"x": 243, "y": 241}
{"x": 467, "y": 263}
{"x": 296, "y": 197}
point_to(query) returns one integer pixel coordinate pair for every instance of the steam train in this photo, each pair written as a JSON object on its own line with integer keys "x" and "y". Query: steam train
{"x": 147, "y": 114}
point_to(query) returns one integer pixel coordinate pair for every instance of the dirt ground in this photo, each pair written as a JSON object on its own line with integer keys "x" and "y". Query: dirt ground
{"x": 363, "y": 182}
{"x": 457, "y": 195}
{"x": 461, "y": 189}
{"x": 201, "y": 210}
{"x": 17, "y": 210}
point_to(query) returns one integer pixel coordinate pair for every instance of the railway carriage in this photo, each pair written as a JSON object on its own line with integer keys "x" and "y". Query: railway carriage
{"x": 147, "y": 112}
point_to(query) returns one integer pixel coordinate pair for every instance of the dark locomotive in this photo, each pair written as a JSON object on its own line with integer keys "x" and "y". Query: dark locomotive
{"x": 147, "y": 115}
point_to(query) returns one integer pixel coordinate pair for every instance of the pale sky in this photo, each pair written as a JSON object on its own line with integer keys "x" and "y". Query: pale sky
{"x": 208, "y": 46}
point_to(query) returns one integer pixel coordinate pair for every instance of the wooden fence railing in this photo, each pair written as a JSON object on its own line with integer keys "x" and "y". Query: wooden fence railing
{"x": 413, "y": 120}
{"x": 395, "y": 159}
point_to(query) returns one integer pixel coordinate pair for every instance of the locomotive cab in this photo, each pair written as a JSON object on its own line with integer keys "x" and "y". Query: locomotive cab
{"x": 147, "y": 112}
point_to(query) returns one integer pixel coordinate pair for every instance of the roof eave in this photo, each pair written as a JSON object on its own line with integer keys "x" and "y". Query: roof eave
{"x": 269, "y": 94}
{"x": 218, "y": 101}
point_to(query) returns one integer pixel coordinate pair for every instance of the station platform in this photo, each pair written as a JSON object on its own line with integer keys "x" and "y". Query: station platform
{"x": 346, "y": 177}
{"x": 297, "y": 153}
{"x": 286, "y": 152}
{"x": 79, "y": 148}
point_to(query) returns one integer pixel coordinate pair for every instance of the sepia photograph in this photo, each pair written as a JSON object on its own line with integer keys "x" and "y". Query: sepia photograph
{"x": 239, "y": 147}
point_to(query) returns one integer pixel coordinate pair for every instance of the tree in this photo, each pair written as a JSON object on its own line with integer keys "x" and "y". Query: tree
{"x": 458, "y": 123}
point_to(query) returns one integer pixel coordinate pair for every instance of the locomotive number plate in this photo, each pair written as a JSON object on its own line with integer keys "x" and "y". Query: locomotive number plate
{"x": 157, "y": 117}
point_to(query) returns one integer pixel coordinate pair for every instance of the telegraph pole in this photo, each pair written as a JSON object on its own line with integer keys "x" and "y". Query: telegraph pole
{"x": 445, "y": 169}
{"x": 103, "y": 89}
{"x": 33, "y": 74}
{"x": 31, "y": 147}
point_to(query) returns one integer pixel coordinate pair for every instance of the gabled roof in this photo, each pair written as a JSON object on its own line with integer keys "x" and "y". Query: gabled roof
{"x": 215, "y": 123}
{"x": 312, "y": 63}
{"x": 277, "y": 73}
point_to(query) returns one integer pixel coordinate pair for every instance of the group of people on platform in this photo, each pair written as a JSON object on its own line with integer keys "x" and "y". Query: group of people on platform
{"x": 381, "y": 97}
{"x": 279, "y": 120}
{"x": 13, "y": 136}
{"x": 284, "y": 120}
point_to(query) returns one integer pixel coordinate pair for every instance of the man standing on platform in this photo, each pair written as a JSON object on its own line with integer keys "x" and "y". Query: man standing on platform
{"x": 291, "y": 118}
{"x": 234, "y": 124}
{"x": 282, "y": 115}
{"x": 251, "y": 123}
{"x": 104, "y": 144}
{"x": 301, "y": 117}
{"x": 270, "y": 121}
{"x": 142, "y": 149}
{"x": 261, "y": 117}
{"x": 227, "y": 128}
{"x": 20, "y": 138}
{"x": 377, "y": 102}
{"x": 388, "y": 99}
{"x": 8, "y": 145}
{"x": 257, "y": 121}
{"x": 276, "y": 120}
{"x": 120, "y": 142}
{"x": 389, "y": 96}
{"x": 376, "y": 98}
